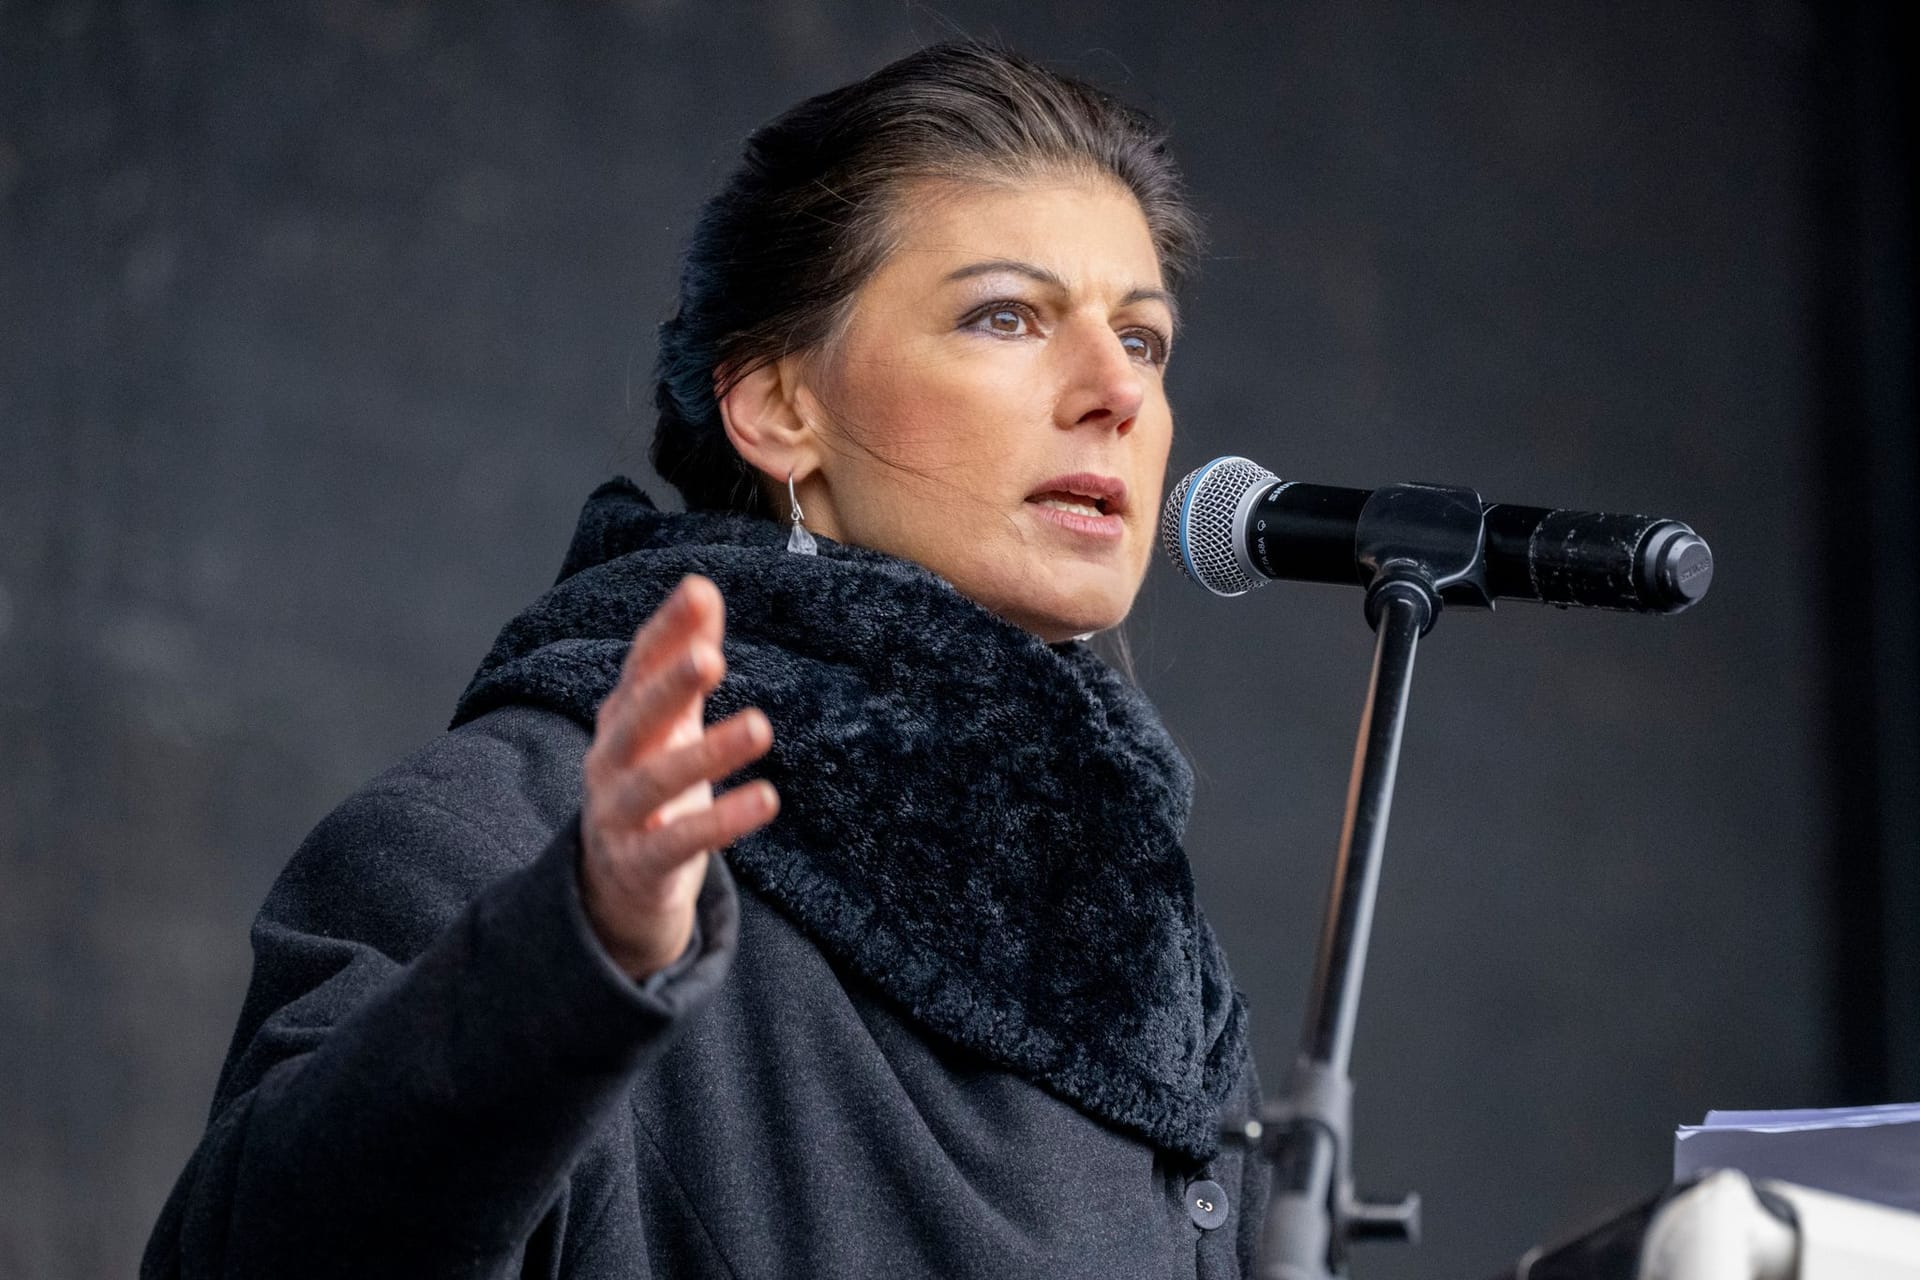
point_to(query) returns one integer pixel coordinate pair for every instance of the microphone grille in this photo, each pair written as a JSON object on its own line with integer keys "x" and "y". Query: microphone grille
{"x": 1196, "y": 529}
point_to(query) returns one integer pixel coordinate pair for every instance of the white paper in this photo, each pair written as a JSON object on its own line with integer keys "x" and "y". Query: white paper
{"x": 1870, "y": 1153}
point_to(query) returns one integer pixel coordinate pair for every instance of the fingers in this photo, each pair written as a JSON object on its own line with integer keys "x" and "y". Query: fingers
{"x": 639, "y": 796}
{"x": 673, "y": 660}
{"x": 650, "y": 815}
{"x": 693, "y": 612}
{"x": 643, "y": 866}
{"x": 733, "y": 814}
{"x": 638, "y": 715}
{"x": 651, "y": 764}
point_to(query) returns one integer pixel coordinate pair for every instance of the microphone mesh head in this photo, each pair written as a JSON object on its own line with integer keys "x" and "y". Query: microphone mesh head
{"x": 1196, "y": 529}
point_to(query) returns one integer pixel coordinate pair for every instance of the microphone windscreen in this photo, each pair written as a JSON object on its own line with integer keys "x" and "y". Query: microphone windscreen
{"x": 1197, "y": 528}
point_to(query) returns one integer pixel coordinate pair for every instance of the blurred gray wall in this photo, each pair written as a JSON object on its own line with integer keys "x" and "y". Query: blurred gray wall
{"x": 319, "y": 320}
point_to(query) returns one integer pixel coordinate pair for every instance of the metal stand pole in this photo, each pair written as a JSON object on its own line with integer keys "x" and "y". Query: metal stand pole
{"x": 1312, "y": 1212}
{"x": 1405, "y": 615}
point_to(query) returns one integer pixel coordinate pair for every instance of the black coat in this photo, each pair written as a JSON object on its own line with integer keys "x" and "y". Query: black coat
{"x": 954, "y": 1013}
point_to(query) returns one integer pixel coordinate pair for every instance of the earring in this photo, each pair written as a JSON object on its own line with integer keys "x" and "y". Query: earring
{"x": 799, "y": 541}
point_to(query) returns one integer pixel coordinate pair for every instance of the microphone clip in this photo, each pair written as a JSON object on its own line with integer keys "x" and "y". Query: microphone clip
{"x": 1423, "y": 539}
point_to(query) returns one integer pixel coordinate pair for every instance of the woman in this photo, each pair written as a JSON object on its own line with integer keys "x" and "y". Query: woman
{"x": 953, "y": 1010}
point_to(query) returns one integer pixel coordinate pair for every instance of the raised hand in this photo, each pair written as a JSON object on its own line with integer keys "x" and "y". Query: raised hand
{"x": 650, "y": 818}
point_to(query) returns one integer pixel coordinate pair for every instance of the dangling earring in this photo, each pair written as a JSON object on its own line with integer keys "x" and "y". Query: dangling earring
{"x": 799, "y": 541}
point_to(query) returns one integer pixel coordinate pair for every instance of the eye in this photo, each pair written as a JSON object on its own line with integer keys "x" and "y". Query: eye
{"x": 1005, "y": 319}
{"x": 1147, "y": 344}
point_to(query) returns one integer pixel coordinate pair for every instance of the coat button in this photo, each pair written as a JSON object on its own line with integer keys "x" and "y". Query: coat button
{"x": 1206, "y": 1204}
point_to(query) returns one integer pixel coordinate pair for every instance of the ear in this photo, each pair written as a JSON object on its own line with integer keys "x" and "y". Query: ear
{"x": 766, "y": 425}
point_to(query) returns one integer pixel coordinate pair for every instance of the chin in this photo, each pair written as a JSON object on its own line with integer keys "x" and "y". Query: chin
{"x": 1063, "y": 600}
{"x": 1060, "y": 617}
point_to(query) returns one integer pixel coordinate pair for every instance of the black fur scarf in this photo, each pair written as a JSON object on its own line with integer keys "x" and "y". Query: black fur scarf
{"x": 984, "y": 826}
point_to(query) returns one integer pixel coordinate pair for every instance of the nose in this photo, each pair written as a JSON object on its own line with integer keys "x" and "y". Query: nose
{"x": 1104, "y": 387}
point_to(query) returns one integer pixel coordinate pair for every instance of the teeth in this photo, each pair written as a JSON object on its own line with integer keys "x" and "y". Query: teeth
{"x": 1078, "y": 508}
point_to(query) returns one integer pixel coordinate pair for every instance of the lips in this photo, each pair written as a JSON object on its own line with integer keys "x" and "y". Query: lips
{"x": 1083, "y": 493}
{"x": 1088, "y": 507}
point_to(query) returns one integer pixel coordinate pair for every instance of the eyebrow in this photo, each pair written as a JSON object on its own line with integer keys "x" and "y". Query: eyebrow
{"x": 1046, "y": 277}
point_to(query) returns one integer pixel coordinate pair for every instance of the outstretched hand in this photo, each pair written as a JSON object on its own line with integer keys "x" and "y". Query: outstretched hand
{"x": 650, "y": 818}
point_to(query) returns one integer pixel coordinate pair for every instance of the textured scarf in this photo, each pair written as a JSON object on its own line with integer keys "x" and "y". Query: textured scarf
{"x": 983, "y": 826}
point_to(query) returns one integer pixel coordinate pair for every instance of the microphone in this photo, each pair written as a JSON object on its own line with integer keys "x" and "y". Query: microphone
{"x": 1232, "y": 526}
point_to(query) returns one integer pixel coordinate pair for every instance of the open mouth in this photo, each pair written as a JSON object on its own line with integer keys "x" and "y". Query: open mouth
{"x": 1078, "y": 504}
{"x": 1085, "y": 494}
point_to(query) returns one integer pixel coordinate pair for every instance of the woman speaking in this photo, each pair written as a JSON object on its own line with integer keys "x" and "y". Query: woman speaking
{"x": 947, "y": 1006}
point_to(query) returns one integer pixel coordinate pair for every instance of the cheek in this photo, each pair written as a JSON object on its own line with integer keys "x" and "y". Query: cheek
{"x": 947, "y": 414}
{"x": 1151, "y": 444}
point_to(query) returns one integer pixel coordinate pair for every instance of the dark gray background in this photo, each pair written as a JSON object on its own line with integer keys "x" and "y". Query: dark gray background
{"x": 319, "y": 320}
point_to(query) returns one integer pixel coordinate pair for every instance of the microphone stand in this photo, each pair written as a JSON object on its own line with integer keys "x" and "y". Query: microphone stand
{"x": 1417, "y": 546}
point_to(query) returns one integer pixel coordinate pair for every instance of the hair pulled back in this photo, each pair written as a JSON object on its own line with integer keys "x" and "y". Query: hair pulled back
{"x": 779, "y": 252}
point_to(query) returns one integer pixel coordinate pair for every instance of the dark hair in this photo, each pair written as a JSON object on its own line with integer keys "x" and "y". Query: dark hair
{"x": 780, "y": 250}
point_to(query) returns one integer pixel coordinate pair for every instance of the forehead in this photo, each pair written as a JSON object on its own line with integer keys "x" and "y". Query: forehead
{"x": 1090, "y": 232}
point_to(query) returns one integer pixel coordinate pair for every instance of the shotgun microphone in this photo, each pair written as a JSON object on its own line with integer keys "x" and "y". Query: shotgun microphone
{"x": 1232, "y": 525}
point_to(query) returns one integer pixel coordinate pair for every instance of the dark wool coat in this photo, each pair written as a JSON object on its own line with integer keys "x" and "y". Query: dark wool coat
{"x": 953, "y": 1013}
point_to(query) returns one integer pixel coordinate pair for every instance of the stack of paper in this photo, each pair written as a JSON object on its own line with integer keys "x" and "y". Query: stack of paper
{"x": 1870, "y": 1153}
